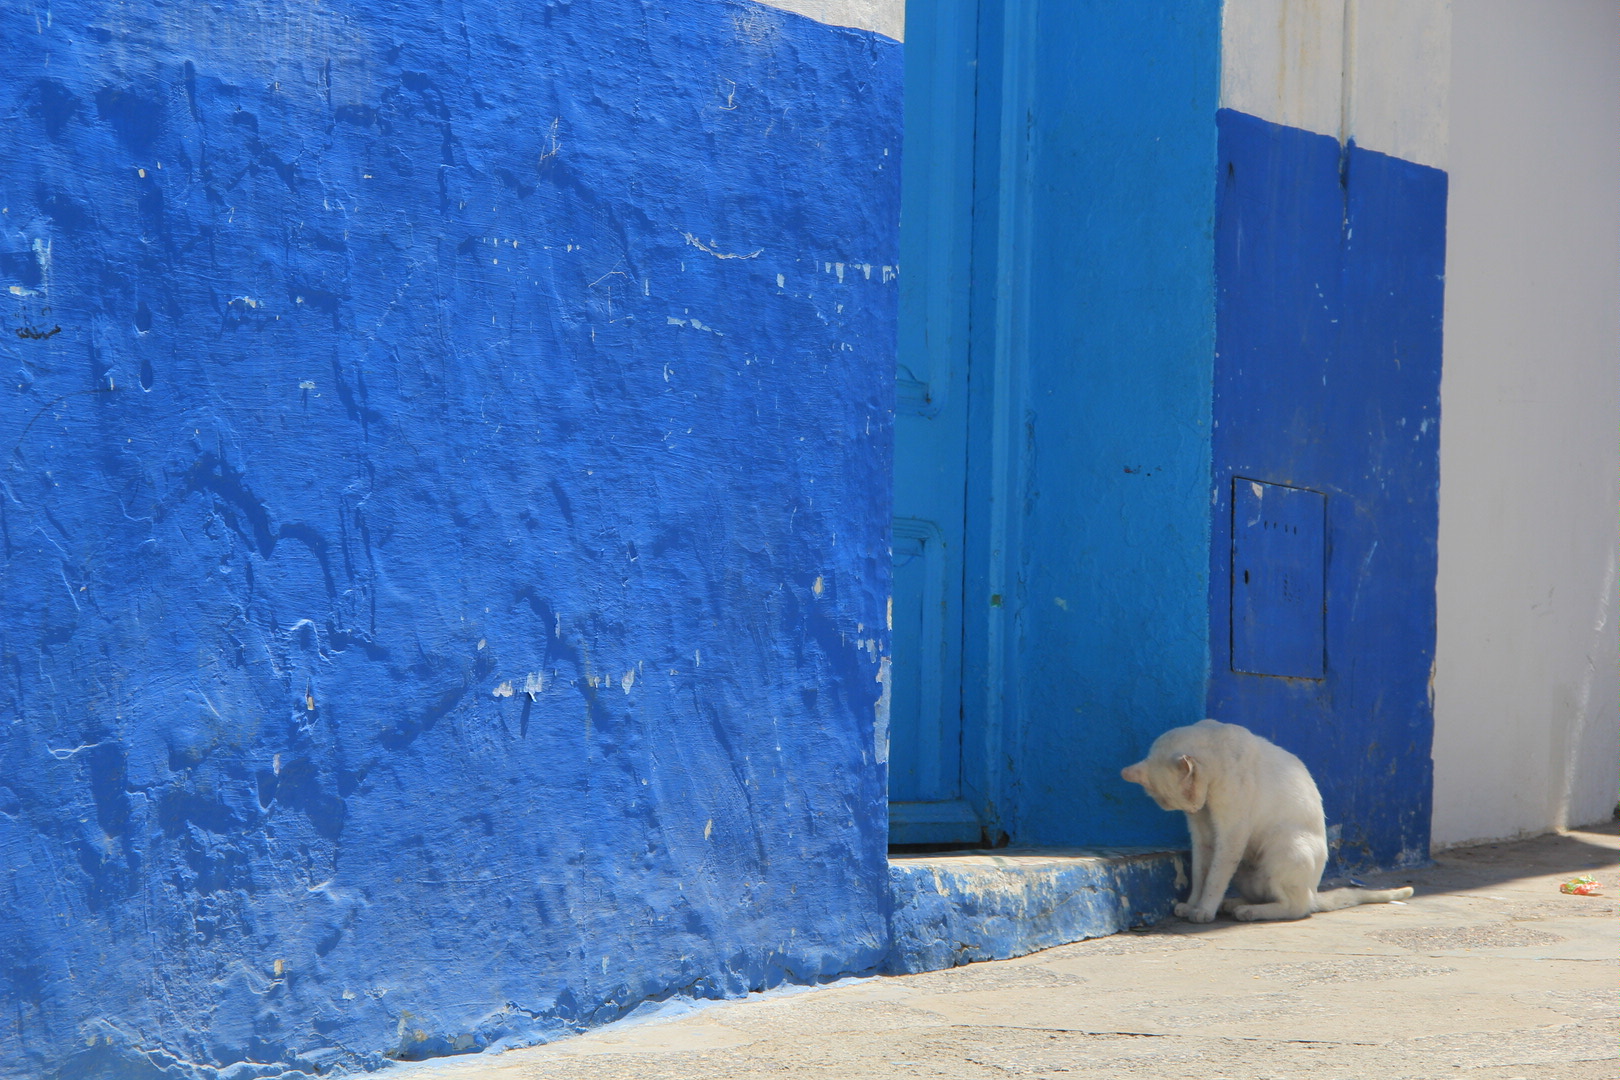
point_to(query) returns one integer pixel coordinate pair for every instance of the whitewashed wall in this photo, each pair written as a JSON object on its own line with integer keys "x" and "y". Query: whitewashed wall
{"x": 886, "y": 17}
{"x": 1527, "y": 684}
{"x": 1376, "y": 71}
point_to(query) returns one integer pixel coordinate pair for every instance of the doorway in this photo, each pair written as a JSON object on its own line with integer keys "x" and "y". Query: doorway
{"x": 1052, "y": 417}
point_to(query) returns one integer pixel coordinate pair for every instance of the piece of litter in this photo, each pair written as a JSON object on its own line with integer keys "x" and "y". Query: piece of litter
{"x": 1401, "y": 903}
{"x": 1584, "y": 885}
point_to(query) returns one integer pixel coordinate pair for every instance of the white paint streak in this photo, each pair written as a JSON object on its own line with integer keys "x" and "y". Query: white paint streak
{"x": 42, "y": 255}
{"x": 64, "y": 753}
{"x": 553, "y": 145}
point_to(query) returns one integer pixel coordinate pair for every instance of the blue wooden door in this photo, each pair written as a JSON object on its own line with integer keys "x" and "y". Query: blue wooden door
{"x": 931, "y": 428}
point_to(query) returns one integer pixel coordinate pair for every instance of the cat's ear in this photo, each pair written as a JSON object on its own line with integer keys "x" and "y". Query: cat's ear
{"x": 1134, "y": 774}
{"x": 1194, "y": 786}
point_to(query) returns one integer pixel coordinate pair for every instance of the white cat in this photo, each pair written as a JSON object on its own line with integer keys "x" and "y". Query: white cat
{"x": 1256, "y": 821}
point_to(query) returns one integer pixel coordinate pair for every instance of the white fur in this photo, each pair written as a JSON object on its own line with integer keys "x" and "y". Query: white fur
{"x": 1256, "y": 822}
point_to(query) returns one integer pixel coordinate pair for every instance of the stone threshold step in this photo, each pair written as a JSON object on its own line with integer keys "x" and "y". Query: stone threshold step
{"x": 956, "y": 908}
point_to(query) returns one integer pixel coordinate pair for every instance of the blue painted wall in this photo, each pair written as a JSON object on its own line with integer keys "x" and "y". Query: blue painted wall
{"x": 1112, "y": 436}
{"x": 1329, "y": 273}
{"x": 445, "y": 544}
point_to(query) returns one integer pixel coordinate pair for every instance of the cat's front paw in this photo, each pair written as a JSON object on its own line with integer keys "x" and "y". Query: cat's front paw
{"x": 1199, "y": 915}
{"x": 1182, "y": 910}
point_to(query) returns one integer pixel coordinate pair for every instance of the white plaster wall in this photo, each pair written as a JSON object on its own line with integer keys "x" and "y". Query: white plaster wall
{"x": 886, "y": 17}
{"x": 1283, "y": 61}
{"x": 1527, "y": 681}
{"x": 1375, "y": 71}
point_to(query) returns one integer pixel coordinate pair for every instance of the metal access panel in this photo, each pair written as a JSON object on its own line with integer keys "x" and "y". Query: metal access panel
{"x": 1279, "y": 573}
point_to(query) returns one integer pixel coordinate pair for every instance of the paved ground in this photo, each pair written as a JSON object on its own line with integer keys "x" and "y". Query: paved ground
{"x": 1488, "y": 973}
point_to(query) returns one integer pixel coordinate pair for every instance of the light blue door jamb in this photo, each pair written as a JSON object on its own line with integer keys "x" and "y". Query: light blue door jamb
{"x": 999, "y": 443}
{"x": 931, "y": 426}
{"x": 959, "y": 383}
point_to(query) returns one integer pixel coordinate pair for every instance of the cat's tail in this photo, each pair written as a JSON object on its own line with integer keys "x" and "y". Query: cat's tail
{"x": 1334, "y": 899}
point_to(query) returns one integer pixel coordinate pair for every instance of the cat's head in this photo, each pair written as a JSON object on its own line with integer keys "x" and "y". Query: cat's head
{"x": 1176, "y": 782}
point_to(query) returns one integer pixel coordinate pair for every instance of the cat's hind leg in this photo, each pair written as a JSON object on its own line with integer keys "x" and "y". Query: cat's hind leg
{"x": 1252, "y": 888}
{"x": 1296, "y": 903}
{"x": 1281, "y": 882}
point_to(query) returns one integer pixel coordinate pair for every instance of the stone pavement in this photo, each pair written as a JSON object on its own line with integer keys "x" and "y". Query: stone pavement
{"x": 1488, "y": 973}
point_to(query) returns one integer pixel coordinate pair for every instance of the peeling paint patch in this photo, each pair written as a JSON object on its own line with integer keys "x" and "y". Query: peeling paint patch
{"x": 880, "y": 728}
{"x": 710, "y": 249}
